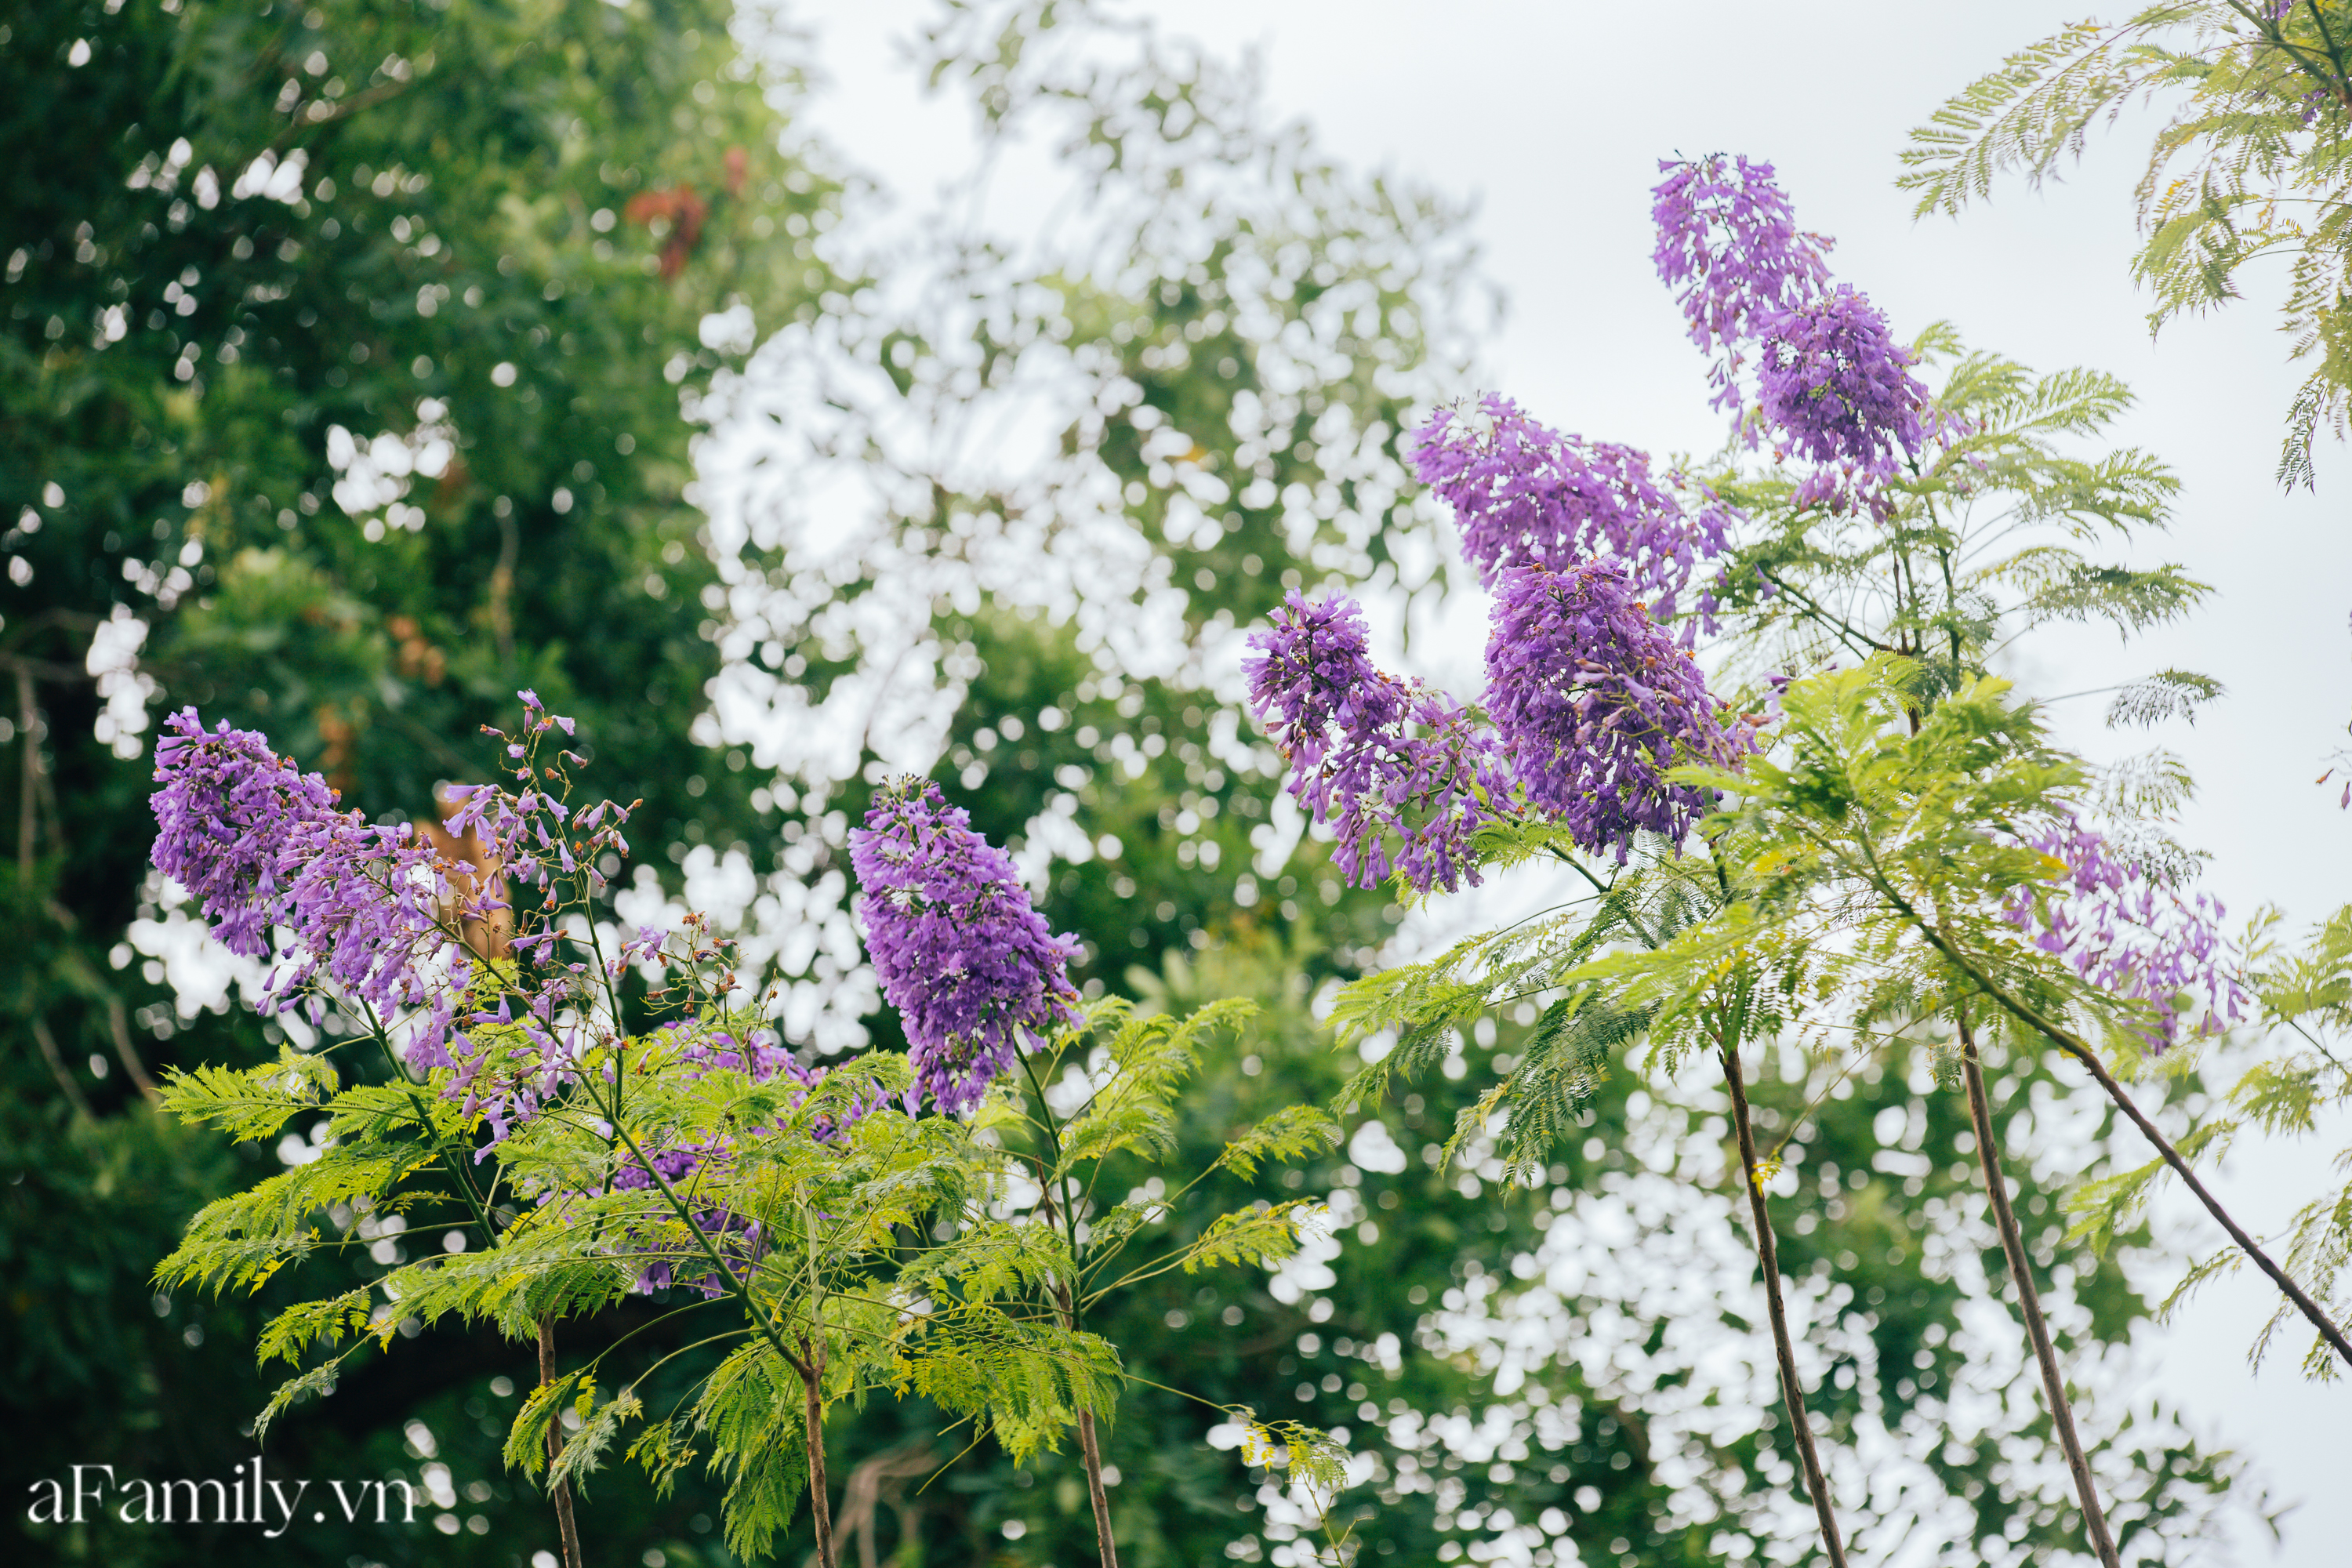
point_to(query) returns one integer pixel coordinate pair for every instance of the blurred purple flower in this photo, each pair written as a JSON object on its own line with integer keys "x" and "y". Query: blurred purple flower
{"x": 2132, "y": 934}
{"x": 959, "y": 949}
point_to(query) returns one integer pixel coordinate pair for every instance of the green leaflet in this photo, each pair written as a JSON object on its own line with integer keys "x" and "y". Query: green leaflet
{"x": 254, "y": 1103}
{"x": 1294, "y": 1132}
{"x": 584, "y": 1451}
{"x": 749, "y": 1409}
{"x": 525, "y": 1449}
{"x": 308, "y": 1323}
{"x": 665, "y": 1453}
{"x": 1257, "y": 1235}
{"x": 242, "y": 1239}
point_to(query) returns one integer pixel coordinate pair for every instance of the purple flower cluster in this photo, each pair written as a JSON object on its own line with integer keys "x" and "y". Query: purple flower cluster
{"x": 1832, "y": 385}
{"x": 1841, "y": 392}
{"x": 1347, "y": 731}
{"x": 1525, "y": 495}
{"x": 263, "y": 847}
{"x": 959, "y": 949}
{"x": 375, "y": 918}
{"x": 2131, "y": 934}
{"x": 1730, "y": 247}
{"x": 1594, "y": 703}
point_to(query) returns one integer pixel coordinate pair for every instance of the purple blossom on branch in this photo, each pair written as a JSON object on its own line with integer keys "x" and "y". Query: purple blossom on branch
{"x": 2130, "y": 933}
{"x": 1594, "y": 703}
{"x": 375, "y": 918}
{"x": 1839, "y": 388}
{"x": 1832, "y": 385}
{"x": 1730, "y": 247}
{"x": 1346, "y": 729}
{"x": 959, "y": 950}
{"x": 262, "y": 846}
{"x": 1525, "y": 495}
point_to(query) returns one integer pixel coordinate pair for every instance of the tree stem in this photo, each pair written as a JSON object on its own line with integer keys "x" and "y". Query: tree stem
{"x": 1065, "y": 1298}
{"x": 1792, "y": 1392}
{"x": 810, "y": 1368}
{"x": 557, "y": 1490}
{"x": 1090, "y": 1451}
{"x": 2053, "y": 1385}
{"x": 2032, "y": 1018}
{"x": 58, "y": 1068}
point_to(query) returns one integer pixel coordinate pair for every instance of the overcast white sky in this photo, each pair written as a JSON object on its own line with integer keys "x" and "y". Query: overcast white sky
{"x": 1552, "y": 116}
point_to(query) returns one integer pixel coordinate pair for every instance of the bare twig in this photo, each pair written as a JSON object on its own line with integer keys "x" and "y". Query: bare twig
{"x": 126, "y": 1053}
{"x": 49, "y": 1053}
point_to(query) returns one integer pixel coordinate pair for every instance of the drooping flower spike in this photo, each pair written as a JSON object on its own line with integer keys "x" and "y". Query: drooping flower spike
{"x": 1837, "y": 388}
{"x": 372, "y": 916}
{"x": 2132, "y": 934}
{"x": 1832, "y": 383}
{"x": 263, "y": 847}
{"x": 1730, "y": 247}
{"x": 1369, "y": 755}
{"x": 974, "y": 971}
{"x": 1525, "y": 495}
{"x": 1593, "y": 702}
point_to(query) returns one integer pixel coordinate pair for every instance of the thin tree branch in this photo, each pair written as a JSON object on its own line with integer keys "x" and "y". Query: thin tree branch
{"x": 1792, "y": 1392}
{"x": 49, "y": 1053}
{"x": 126, "y": 1053}
{"x": 2032, "y": 1017}
{"x": 560, "y": 1491}
{"x": 2054, "y": 1383}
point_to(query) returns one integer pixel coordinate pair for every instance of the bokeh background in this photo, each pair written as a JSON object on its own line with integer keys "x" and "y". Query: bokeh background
{"x": 798, "y": 393}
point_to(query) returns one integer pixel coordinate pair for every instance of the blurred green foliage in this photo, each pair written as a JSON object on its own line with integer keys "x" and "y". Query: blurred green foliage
{"x": 1248, "y": 330}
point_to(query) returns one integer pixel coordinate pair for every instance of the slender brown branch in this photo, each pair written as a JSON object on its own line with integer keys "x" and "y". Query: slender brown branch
{"x": 810, "y": 1366}
{"x": 1792, "y": 1392}
{"x": 2054, "y": 1383}
{"x": 64, "y": 1075}
{"x": 558, "y": 1491}
{"x": 126, "y": 1053}
{"x": 1091, "y": 1450}
{"x": 2030, "y": 1016}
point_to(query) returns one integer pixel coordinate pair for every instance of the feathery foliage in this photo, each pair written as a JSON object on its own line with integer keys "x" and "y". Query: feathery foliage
{"x": 2255, "y": 161}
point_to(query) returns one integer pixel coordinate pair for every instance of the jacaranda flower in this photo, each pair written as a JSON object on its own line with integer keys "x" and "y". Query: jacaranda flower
{"x": 959, "y": 949}
{"x": 1371, "y": 756}
{"x": 1593, "y": 702}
